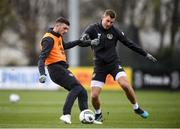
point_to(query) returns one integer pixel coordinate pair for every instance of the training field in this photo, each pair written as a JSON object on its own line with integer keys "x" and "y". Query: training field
{"x": 41, "y": 109}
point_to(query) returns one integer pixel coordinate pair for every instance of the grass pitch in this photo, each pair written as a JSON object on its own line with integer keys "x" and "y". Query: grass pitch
{"x": 41, "y": 109}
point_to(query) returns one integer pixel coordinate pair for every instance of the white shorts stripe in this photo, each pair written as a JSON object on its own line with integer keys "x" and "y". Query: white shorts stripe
{"x": 120, "y": 74}
{"x": 95, "y": 83}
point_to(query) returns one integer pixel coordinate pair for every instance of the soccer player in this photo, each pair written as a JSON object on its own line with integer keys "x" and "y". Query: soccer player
{"x": 106, "y": 60}
{"x": 53, "y": 56}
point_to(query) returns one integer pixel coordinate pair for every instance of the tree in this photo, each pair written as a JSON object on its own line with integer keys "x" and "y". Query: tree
{"x": 175, "y": 21}
{"x": 156, "y": 21}
{"x": 32, "y": 17}
{"x": 4, "y": 14}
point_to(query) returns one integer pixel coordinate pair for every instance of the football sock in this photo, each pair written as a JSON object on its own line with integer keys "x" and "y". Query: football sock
{"x": 135, "y": 106}
{"x": 98, "y": 111}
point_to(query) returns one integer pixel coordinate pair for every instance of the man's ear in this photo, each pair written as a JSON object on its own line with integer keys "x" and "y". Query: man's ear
{"x": 102, "y": 17}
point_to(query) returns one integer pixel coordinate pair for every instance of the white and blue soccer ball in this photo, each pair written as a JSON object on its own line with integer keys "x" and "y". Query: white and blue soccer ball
{"x": 14, "y": 98}
{"x": 87, "y": 116}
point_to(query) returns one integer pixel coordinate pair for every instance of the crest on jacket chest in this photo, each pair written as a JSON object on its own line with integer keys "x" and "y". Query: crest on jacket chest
{"x": 110, "y": 36}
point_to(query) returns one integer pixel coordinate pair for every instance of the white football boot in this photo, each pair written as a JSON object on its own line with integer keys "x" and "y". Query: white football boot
{"x": 97, "y": 122}
{"x": 66, "y": 119}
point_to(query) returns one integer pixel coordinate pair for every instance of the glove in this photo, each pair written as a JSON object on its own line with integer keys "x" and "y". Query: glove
{"x": 150, "y": 57}
{"x": 84, "y": 37}
{"x": 95, "y": 42}
{"x": 42, "y": 78}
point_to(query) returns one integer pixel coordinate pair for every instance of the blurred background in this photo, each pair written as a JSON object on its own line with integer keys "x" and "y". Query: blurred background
{"x": 152, "y": 24}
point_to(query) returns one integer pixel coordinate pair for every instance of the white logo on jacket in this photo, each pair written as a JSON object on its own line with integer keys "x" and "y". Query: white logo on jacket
{"x": 109, "y": 36}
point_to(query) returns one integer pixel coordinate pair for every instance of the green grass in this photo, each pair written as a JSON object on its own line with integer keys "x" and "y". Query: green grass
{"x": 41, "y": 109}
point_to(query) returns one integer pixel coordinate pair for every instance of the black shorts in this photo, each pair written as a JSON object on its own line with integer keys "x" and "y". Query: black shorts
{"x": 101, "y": 71}
{"x": 60, "y": 75}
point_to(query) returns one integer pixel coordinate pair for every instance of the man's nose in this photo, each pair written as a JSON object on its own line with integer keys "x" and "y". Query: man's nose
{"x": 108, "y": 23}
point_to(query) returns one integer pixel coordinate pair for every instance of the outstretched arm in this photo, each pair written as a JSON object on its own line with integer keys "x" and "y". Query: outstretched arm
{"x": 71, "y": 44}
{"x": 133, "y": 46}
{"x": 150, "y": 57}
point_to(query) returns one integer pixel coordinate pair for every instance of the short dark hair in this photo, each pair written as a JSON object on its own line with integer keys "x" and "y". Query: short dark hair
{"x": 110, "y": 12}
{"x": 62, "y": 20}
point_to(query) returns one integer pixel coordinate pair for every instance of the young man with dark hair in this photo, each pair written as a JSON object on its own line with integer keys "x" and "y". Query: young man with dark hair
{"x": 53, "y": 56}
{"x": 106, "y": 61}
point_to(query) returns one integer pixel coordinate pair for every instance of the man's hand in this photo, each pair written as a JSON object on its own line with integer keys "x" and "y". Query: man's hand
{"x": 150, "y": 57}
{"x": 85, "y": 38}
{"x": 95, "y": 42}
{"x": 42, "y": 78}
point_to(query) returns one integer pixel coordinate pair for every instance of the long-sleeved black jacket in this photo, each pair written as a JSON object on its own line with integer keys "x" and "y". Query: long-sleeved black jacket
{"x": 105, "y": 52}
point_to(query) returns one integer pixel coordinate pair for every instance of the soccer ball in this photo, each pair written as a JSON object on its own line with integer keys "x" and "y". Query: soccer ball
{"x": 87, "y": 116}
{"x": 14, "y": 98}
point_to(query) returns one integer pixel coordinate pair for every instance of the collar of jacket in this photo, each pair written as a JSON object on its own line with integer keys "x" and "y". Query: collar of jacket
{"x": 50, "y": 30}
{"x": 102, "y": 28}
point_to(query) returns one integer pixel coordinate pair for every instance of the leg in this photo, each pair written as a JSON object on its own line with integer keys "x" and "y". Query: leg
{"x": 83, "y": 99}
{"x": 121, "y": 77}
{"x": 64, "y": 78}
{"x": 72, "y": 95}
{"x": 123, "y": 82}
{"x": 95, "y": 92}
{"x": 96, "y": 86}
{"x": 77, "y": 91}
{"x": 97, "y": 83}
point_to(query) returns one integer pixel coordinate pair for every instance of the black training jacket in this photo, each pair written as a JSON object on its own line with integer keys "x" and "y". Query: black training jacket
{"x": 105, "y": 52}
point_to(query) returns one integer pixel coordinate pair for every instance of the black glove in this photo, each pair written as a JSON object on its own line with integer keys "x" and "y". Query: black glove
{"x": 150, "y": 57}
{"x": 42, "y": 78}
{"x": 84, "y": 37}
{"x": 96, "y": 41}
